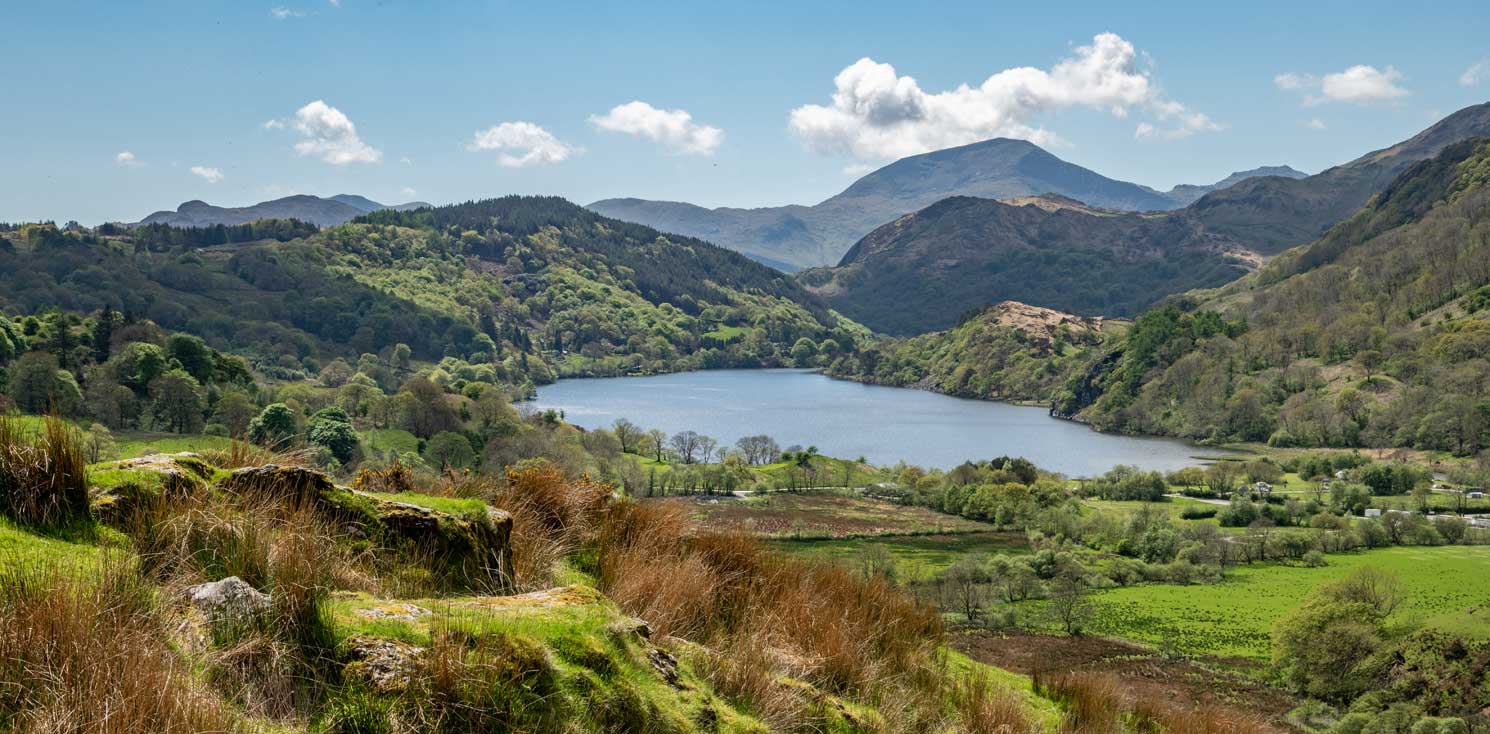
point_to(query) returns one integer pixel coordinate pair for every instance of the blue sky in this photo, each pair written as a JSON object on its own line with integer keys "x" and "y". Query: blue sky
{"x": 448, "y": 101}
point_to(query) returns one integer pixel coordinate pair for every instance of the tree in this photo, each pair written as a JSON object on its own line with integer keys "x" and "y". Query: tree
{"x": 108, "y": 402}
{"x": 1320, "y": 647}
{"x": 38, "y": 385}
{"x": 275, "y": 426}
{"x": 1369, "y": 360}
{"x": 330, "y": 428}
{"x": 192, "y": 354}
{"x": 427, "y": 411}
{"x": 1221, "y": 477}
{"x": 804, "y": 352}
{"x": 235, "y": 411}
{"x": 450, "y": 450}
{"x": 629, "y": 434}
{"x": 759, "y": 449}
{"x": 659, "y": 443}
{"x": 178, "y": 401}
{"x": 1070, "y": 600}
{"x": 686, "y": 445}
{"x": 968, "y": 579}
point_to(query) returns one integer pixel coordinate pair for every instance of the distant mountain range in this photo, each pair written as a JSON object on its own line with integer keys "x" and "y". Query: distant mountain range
{"x": 808, "y": 236}
{"x": 324, "y": 212}
{"x": 1187, "y": 193}
{"x": 922, "y": 270}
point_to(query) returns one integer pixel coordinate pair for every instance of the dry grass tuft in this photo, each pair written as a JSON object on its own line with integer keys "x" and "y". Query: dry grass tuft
{"x": 90, "y": 657}
{"x": 239, "y": 454}
{"x": 985, "y": 707}
{"x": 43, "y": 478}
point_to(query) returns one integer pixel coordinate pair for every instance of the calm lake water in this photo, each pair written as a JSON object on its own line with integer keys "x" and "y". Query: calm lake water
{"x": 846, "y": 419}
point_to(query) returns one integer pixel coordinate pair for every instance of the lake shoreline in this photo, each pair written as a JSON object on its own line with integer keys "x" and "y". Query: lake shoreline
{"x": 801, "y": 406}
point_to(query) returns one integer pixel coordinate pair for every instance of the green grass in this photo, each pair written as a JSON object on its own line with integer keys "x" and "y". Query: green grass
{"x": 1448, "y": 588}
{"x": 916, "y": 556}
{"x": 65, "y": 547}
{"x": 728, "y": 333}
{"x": 383, "y": 439}
{"x": 131, "y": 444}
{"x": 451, "y": 505}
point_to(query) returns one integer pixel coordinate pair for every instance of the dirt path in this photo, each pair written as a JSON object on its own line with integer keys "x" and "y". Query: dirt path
{"x": 1145, "y": 673}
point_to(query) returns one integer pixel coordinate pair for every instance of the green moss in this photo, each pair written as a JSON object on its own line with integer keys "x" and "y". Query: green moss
{"x": 469, "y": 508}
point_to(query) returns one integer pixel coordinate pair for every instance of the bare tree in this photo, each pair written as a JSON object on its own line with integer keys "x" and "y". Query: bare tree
{"x": 706, "y": 448}
{"x": 1070, "y": 601}
{"x": 686, "y": 445}
{"x": 659, "y": 443}
{"x": 629, "y": 434}
{"x": 760, "y": 449}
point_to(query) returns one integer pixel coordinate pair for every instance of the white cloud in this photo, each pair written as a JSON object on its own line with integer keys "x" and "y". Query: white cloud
{"x": 876, "y": 113}
{"x": 127, "y": 159}
{"x": 1315, "y": 124}
{"x": 335, "y": 3}
{"x": 1183, "y": 122}
{"x": 211, "y": 174}
{"x": 1477, "y": 72}
{"x": 406, "y": 161}
{"x": 408, "y": 191}
{"x": 674, "y": 129}
{"x": 521, "y": 144}
{"x": 858, "y": 169}
{"x": 280, "y": 12}
{"x": 327, "y": 134}
{"x": 1360, "y": 84}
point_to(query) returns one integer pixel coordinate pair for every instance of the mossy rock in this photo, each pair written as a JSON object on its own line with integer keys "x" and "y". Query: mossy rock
{"x": 118, "y": 488}
{"x": 472, "y": 547}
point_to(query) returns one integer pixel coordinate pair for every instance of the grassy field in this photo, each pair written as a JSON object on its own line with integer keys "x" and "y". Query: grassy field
{"x": 130, "y": 444}
{"x": 822, "y": 515}
{"x": 1448, "y": 588}
{"x": 916, "y": 556}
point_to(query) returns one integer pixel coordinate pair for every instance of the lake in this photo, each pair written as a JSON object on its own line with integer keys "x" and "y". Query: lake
{"x": 845, "y": 419}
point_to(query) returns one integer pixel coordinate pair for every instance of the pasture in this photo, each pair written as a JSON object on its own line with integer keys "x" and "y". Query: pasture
{"x": 822, "y": 515}
{"x": 1448, "y": 588}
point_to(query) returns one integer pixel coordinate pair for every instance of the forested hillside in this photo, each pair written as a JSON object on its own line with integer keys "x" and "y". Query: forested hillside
{"x": 922, "y": 270}
{"x": 1376, "y": 335}
{"x": 532, "y": 286}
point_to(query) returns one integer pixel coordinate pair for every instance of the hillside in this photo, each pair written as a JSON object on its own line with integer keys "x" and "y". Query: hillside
{"x": 536, "y": 285}
{"x": 919, "y": 272}
{"x": 325, "y": 212}
{"x": 808, "y": 236}
{"x": 1271, "y": 214}
{"x": 1009, "y": 351}
{"x": 1185, "y": 194}
{"x": 1375, "y": 335}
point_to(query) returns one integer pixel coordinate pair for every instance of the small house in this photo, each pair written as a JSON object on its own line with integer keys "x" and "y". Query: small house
{"x": 1373, "y": 512}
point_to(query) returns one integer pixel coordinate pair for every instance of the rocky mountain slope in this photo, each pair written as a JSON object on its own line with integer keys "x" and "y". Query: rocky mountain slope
{"x": 325, "y": 212}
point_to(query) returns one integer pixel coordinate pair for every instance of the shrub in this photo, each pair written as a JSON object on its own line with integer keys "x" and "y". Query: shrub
{"x": 1197, "y": 513}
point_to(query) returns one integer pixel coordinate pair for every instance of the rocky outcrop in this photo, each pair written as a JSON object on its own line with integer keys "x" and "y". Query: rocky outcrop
{"x": 229, "y": 603}
{"x": 119, "y": 488}
{"x": 473, "y": 549}
{"x": 387, "y": 666}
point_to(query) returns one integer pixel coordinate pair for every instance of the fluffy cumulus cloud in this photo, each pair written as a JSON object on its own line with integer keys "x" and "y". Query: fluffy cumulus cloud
{"x": 673, "y": 129}
{"x": 207, "y": 172}
{"x": 519, "y": 144}
{"x": 1360, "y": 84}
{"x": 327, "y": 134}
{"x": 127, "y": 159}
{"x": 408, "y": 191}
{"x": 1477, "y": 72}
{"x": 279, "y": 12}
{"x": 876, "y": 113}
{"x": 1315, "y": 124}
